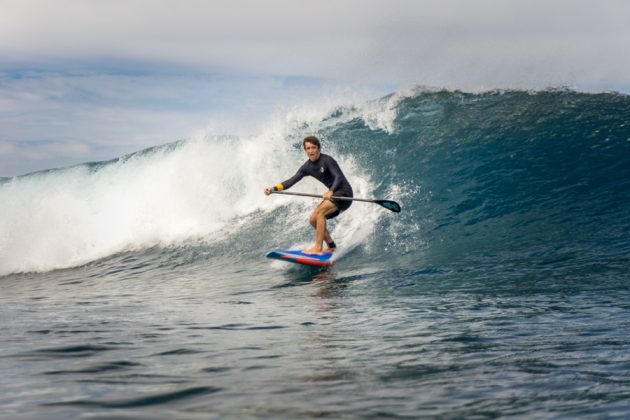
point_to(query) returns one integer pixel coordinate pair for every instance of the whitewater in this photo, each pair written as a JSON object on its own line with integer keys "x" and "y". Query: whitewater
{"x": 138, "y": 287}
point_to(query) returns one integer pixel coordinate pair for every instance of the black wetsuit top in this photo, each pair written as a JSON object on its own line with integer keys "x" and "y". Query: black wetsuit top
{"x": 327, "y": 171}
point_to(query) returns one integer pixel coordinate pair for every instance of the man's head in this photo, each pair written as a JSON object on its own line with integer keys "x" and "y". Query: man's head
{"x": 312, "y": 140}
{"x": 312, "y": 147}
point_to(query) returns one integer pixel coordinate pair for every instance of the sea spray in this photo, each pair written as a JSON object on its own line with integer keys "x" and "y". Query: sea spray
{"x": 190, "y": 190}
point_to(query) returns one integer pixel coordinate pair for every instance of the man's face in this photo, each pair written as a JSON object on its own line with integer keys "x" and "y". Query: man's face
{"x": 312, "y": 151}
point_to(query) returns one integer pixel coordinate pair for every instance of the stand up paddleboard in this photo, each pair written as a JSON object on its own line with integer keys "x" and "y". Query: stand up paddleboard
{"x": 299, "y": 257}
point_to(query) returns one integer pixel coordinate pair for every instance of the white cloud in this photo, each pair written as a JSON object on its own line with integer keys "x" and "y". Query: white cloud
{"x": 346, "y": 39}
{"x": 114, "y": 114}
{"x": 119, "y": 75}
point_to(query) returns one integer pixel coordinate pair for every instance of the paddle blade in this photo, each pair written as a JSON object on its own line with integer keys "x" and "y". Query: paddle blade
{"x": 389, "y": 205}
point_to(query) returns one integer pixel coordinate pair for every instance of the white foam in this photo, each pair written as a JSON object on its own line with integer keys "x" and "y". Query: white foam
{"x": 199, "y": 188}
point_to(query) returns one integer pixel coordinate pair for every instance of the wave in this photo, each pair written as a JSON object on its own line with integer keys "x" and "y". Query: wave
{"x": 508, "y": 173}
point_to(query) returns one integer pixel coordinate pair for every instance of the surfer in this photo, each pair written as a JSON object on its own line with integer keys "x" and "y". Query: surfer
{"x": 326, "y": 170}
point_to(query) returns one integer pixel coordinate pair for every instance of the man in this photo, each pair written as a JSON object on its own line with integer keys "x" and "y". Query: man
{"x": 326, "y": 170}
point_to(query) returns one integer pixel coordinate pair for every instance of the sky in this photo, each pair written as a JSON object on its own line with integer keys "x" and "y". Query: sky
{"x": 90, "y": 80}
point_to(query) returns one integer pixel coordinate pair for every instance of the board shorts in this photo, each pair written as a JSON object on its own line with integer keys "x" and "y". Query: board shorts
{"x": 342, "y": 205}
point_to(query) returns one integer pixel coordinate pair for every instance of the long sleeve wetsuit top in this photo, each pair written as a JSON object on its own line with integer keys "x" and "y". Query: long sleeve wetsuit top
{"x": 327, "y": 171}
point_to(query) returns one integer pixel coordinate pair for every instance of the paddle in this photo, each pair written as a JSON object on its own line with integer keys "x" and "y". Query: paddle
{"x": 388, "y": 204}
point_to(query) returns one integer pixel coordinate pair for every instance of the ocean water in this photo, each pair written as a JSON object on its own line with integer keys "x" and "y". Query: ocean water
{"x": 138, "y": 288}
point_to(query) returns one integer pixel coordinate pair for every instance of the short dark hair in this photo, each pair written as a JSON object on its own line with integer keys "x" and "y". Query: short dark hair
{"x": 313, "y": 140}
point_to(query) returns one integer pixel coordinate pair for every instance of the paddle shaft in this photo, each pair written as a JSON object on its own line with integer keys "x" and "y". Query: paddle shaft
{"x": 319, "y": 196}
{"x": 388, "y": 204}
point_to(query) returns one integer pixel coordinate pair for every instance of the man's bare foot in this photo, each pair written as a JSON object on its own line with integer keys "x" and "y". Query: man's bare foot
{"x": 329, "y": 250}
{"x": 313, "y": 251}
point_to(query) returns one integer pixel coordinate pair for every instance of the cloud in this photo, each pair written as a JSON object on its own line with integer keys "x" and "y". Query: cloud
{"x": 366, "y": 39}
{"x": 120, "y": 75}
{"x": 45, "y": 116}
{"x": 26, "y": 156}
{"x": 42, "y": 150}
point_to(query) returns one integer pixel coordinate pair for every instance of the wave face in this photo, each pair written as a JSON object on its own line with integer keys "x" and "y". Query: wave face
{"x": 511, "y": 178}
{"x": 507, "y": 178}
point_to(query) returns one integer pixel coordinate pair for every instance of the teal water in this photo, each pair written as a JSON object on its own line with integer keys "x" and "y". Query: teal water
{"x": 501, "y": 289}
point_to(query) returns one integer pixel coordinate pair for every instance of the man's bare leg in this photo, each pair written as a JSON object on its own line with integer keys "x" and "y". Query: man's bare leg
{"x": 328, "y": 239}
{"x": 318, "y": 221}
